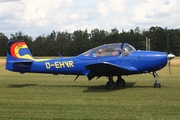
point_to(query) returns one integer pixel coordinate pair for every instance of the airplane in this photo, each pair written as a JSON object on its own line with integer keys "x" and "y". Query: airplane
{"x": 115, "y": 59}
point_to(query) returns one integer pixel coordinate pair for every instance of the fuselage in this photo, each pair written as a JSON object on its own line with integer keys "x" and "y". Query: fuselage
{"x": 123, "y": 56}
{"x": 143, "y": 61}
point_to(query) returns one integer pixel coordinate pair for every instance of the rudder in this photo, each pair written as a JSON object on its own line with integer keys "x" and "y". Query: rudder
{"x": 18, "y": 58}
{"x": 18, "y": 50}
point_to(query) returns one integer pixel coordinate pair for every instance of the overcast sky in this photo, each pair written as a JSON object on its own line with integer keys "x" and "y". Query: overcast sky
{"x": 38, "y": 17}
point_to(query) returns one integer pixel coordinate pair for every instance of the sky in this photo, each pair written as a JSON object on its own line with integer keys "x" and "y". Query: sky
{"x": 41, "y": 17}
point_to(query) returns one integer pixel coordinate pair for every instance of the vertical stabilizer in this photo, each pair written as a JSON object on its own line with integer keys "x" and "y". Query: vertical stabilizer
{"x": 18, "y": 58}
{"x": 18, "y": 50}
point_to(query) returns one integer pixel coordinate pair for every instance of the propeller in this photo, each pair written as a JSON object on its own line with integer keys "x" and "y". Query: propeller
{"x": 170, "y": 55}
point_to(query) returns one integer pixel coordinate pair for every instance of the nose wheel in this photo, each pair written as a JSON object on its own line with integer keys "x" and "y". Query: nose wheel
{"x": 157, "y": 85}
{"x": 156, "y": 77}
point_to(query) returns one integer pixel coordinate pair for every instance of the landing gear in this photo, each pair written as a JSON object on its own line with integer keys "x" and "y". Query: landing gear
{"x": 112, "y": 85}
{"x": 156, "y": 84}
{"x": 120, "y": 81}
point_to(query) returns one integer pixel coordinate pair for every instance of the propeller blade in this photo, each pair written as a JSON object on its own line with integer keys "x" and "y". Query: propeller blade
{"x": 169, "y": 66}
{"x": 170, "y": 57}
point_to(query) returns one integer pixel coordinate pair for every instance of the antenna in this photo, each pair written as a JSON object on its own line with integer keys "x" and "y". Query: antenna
{"x": 60, "y": 55}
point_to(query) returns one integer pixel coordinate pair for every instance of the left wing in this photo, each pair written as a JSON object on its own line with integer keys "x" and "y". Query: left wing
{"x": 106, "y": 69}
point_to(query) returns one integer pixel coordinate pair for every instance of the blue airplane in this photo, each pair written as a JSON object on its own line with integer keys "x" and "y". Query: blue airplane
{"x": 116, "y": 59}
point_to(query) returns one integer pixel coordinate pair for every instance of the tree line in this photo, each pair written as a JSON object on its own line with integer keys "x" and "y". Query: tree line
{"x": 70, "y": 44}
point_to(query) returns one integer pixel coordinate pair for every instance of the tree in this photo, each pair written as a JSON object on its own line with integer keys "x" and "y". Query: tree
{"x": 158, "y": 37}
{"x": 3, "y": 44}
{"x": 51, "y": 44}
{"x": 79, "y": 41}
{"x": 97, "y": 37}
{"x": 174, "y": 41}
{"x": 19, "y": 36}
{"x": 39, "y": 46}
{"x": 63, "y": 43}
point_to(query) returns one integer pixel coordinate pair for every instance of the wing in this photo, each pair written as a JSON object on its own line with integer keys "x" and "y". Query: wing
{"x": 106, "y": 69}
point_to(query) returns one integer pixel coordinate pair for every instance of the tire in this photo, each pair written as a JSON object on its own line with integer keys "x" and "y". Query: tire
{"x": 120, "y": 82}
{"x": 157, "y": 85}
{"x": 111, "y": 86}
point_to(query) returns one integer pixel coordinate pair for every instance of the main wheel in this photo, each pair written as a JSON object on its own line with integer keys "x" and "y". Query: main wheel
{"x": 157, "y": 85}
{"x": 120, "y": 82}
{"x": 111, "y": 85}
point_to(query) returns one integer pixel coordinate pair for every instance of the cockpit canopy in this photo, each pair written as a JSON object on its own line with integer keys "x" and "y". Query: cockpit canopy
{"x": 115, "y": 49}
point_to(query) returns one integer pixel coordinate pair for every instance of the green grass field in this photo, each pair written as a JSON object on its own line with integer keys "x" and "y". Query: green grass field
{"x": 42, "y": 96}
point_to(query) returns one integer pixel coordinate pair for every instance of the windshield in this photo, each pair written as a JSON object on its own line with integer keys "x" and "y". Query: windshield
{"x": 104, "y": 50}
{"x": 128, "y": 49}
{"x": 107, "y": 50}
{"x": 114, "y": 49}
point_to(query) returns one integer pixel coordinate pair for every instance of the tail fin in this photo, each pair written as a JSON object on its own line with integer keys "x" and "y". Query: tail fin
{"x": 18, "y": 50}
{"x": 18, "y": 56}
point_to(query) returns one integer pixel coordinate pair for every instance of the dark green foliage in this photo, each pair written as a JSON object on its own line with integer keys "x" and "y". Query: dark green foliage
{"x": 68, "y": 44}
{"x": 3, "y": 44}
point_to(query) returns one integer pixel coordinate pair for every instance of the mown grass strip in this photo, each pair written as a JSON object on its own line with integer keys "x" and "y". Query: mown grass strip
{"x": 42, "y": 96}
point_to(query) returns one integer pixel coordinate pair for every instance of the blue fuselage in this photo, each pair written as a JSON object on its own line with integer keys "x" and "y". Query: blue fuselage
{"x": 138, "y": 61}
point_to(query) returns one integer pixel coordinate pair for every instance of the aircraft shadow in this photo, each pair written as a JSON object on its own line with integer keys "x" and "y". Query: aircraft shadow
{"x": 21, "y": 85}
{"x": 100, "y": 88}
{"x": 29, "y": 85}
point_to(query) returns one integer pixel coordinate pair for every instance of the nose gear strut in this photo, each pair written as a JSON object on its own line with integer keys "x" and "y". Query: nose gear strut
{"x": 156, "y": 77}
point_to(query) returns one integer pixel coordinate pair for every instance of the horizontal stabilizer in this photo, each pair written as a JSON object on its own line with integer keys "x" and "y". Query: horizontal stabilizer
{"x": 24, "y": 61}
{"x": 19, "y": 66}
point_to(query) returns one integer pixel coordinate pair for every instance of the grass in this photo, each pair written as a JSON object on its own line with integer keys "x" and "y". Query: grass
{"x": 42, "y": 96}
